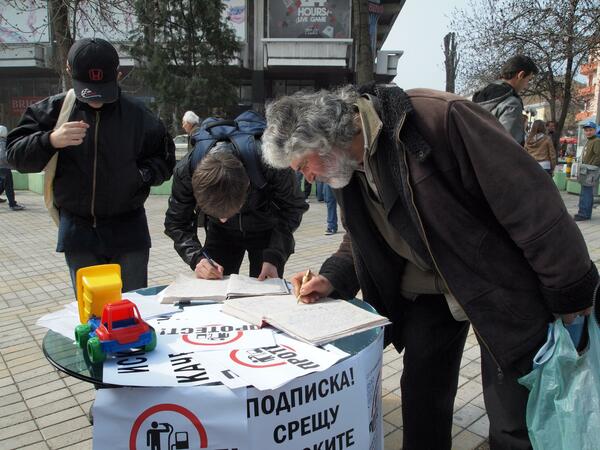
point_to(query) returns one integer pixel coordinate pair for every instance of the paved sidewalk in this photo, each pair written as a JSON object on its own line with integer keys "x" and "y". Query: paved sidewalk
{"x": 41, "y": 408}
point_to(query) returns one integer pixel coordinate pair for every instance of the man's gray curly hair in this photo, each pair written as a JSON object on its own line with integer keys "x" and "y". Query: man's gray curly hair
{"x": 305, "y": 122}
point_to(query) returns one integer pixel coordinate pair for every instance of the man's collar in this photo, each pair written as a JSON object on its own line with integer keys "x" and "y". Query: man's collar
{"x": 370, "y": 122}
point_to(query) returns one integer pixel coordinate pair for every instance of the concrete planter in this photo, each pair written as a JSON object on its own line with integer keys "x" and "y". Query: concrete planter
{"x": 34, "y": 182}
{"x": 560, "y": 180}
{"x": 163, "y": 189}
{"x": 573, "y": 187}
{"x": 20, "y": 181}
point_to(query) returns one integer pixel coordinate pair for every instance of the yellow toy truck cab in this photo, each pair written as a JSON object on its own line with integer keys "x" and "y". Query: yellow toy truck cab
{"x": 97, "y": 286}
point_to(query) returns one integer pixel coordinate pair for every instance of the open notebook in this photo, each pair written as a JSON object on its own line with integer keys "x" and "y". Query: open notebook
{"x": 188, "y": 288}
{"x": 316, "y": 323}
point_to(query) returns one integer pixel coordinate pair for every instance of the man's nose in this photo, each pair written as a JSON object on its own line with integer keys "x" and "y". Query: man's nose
{"x": 310, "y": 177}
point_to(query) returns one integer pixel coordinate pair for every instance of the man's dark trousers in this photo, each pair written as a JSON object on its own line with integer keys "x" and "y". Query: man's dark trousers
{"x": 6, "y": 184}
{"x": 134, "y": 265}
{"x": 228, "y": 247}
{"x": 433, "y": 345}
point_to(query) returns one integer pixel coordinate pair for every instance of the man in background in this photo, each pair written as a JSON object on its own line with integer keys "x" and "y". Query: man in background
{"x": 6, "y": 178}
{"x": 189, "y": 123}
{"x": 590, "y": 156}
{"x": 502, "y": 99}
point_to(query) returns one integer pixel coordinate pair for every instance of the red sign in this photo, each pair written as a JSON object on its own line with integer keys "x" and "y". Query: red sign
{"x": 172, "y": 408}
{"x": 18, "y": 105}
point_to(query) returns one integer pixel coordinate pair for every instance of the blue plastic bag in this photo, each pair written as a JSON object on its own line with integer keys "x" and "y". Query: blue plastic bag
{"x": 563, "y": 410}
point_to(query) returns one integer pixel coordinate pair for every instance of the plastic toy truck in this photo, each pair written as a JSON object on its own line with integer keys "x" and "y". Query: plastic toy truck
{"x": 108, "y": 324}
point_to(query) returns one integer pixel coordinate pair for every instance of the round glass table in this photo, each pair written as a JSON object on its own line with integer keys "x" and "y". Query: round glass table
{"x": 67, "y": 357}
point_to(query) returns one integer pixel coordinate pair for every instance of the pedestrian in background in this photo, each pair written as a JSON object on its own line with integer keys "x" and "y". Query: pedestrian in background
{"x": 539, "y": 145}
{"x": 110, "y": 151}
{"x": 189, "y": 123}
{"x": 6, "y": 178}
{"x": 332, "y": 219}
{"x": 590, "y": 156}
{"x": 502, "y": 99}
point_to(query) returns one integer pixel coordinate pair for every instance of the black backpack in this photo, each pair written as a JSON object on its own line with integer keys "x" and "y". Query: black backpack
{"x": 244, "y": 135}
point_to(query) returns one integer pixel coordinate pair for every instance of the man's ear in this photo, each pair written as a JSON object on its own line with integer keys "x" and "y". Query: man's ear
{"x": 119, "y": 76}
{"x": 68, "y": 69}
{"x": 521, "y": 75}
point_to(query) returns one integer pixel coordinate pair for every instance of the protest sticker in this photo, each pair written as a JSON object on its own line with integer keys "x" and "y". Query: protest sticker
{"x": 319, "y": 411}
{"x": 269, "y": 367}
{"x": 170, "y": 418}
{"x": 207, "y": 329}
{"x": 160, "y": 367}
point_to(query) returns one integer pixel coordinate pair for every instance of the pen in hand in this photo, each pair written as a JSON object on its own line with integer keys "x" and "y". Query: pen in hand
{"x": 305, "y": 279}
{"x": 209, "y": 259}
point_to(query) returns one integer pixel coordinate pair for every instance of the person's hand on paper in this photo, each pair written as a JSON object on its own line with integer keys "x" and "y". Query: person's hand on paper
{"x": 208, "y": 271}
{"x": 68, "y": 134}
{"x": 314, "y": 289}
{"x": 268, "y": 271}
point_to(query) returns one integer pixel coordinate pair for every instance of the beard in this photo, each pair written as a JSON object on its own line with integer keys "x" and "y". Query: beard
{"x": 339, "y": 169}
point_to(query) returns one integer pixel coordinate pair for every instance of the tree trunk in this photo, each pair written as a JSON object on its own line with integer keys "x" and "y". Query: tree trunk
{"x": 450, "y": 61}
{"x": 360, "y": 32}
{"x": 61, "y": 39}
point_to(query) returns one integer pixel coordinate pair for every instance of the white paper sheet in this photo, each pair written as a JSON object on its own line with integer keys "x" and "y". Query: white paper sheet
{"x": 205, "y": 328}
{"x": 268, "y": 367}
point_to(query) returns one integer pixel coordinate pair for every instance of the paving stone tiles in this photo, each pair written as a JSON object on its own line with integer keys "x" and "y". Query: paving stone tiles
{"x": 41, "y": 408}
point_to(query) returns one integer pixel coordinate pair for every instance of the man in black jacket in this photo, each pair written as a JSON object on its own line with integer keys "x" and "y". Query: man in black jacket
{"x": 449, "y": 223}
{"x": 110, "y": 151}
{"x": 240, "y": 217}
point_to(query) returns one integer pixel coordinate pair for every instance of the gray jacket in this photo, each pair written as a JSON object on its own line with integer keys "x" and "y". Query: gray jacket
{"x": 502, "y": 101}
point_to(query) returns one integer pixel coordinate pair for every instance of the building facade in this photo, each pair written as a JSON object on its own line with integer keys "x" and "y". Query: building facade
{"x": 287, "y": 45}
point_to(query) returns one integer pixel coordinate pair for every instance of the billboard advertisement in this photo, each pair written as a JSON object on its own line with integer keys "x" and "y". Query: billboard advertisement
{"x": 235, "y": 14}
{"x": 309, "y": 19}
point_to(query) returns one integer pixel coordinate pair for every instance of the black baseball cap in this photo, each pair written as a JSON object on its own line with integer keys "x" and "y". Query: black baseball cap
{"x": 94, "y": 66}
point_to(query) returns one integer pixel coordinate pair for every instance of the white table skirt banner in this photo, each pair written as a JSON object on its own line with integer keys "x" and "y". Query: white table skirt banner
{"x": 337, "y": 408}
{"x": 170, "y": 418}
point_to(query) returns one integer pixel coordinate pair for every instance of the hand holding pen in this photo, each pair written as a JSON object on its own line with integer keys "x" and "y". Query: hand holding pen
{"x": 312, "y": 288}
{"x": 208, "y": 269}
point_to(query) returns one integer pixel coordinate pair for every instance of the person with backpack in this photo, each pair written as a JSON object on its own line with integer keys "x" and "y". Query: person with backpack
{"x": 247, "y": 206}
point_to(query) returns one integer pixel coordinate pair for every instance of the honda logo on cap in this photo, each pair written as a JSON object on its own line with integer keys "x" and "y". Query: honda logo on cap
{"x": 96, "y": 74}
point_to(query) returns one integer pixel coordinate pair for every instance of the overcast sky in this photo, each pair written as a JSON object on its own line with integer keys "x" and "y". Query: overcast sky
{"x": 419, "y": 31}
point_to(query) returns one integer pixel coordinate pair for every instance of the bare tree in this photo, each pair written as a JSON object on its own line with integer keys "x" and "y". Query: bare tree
{"x": 68, "y": 18}
{"x": 451, "y": 60}
{"x": 558, "y": 34}
{"x": 364, "y": 53}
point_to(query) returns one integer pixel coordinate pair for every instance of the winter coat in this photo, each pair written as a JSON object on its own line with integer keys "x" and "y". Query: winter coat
{"x": 591, "y": 152}
{"x": 277, "y": 208}
{"x": 493, "y": 225}
{"x": 102, "y": 183}
{"x": 502, "y": 101}
{"x": 541, "y": 148}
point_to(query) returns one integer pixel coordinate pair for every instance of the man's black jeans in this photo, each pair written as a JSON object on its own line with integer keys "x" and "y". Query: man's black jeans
{"x": 433, "y": 345}
{"x": 227, "y": 247}
{"x": 6, "y": 184}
